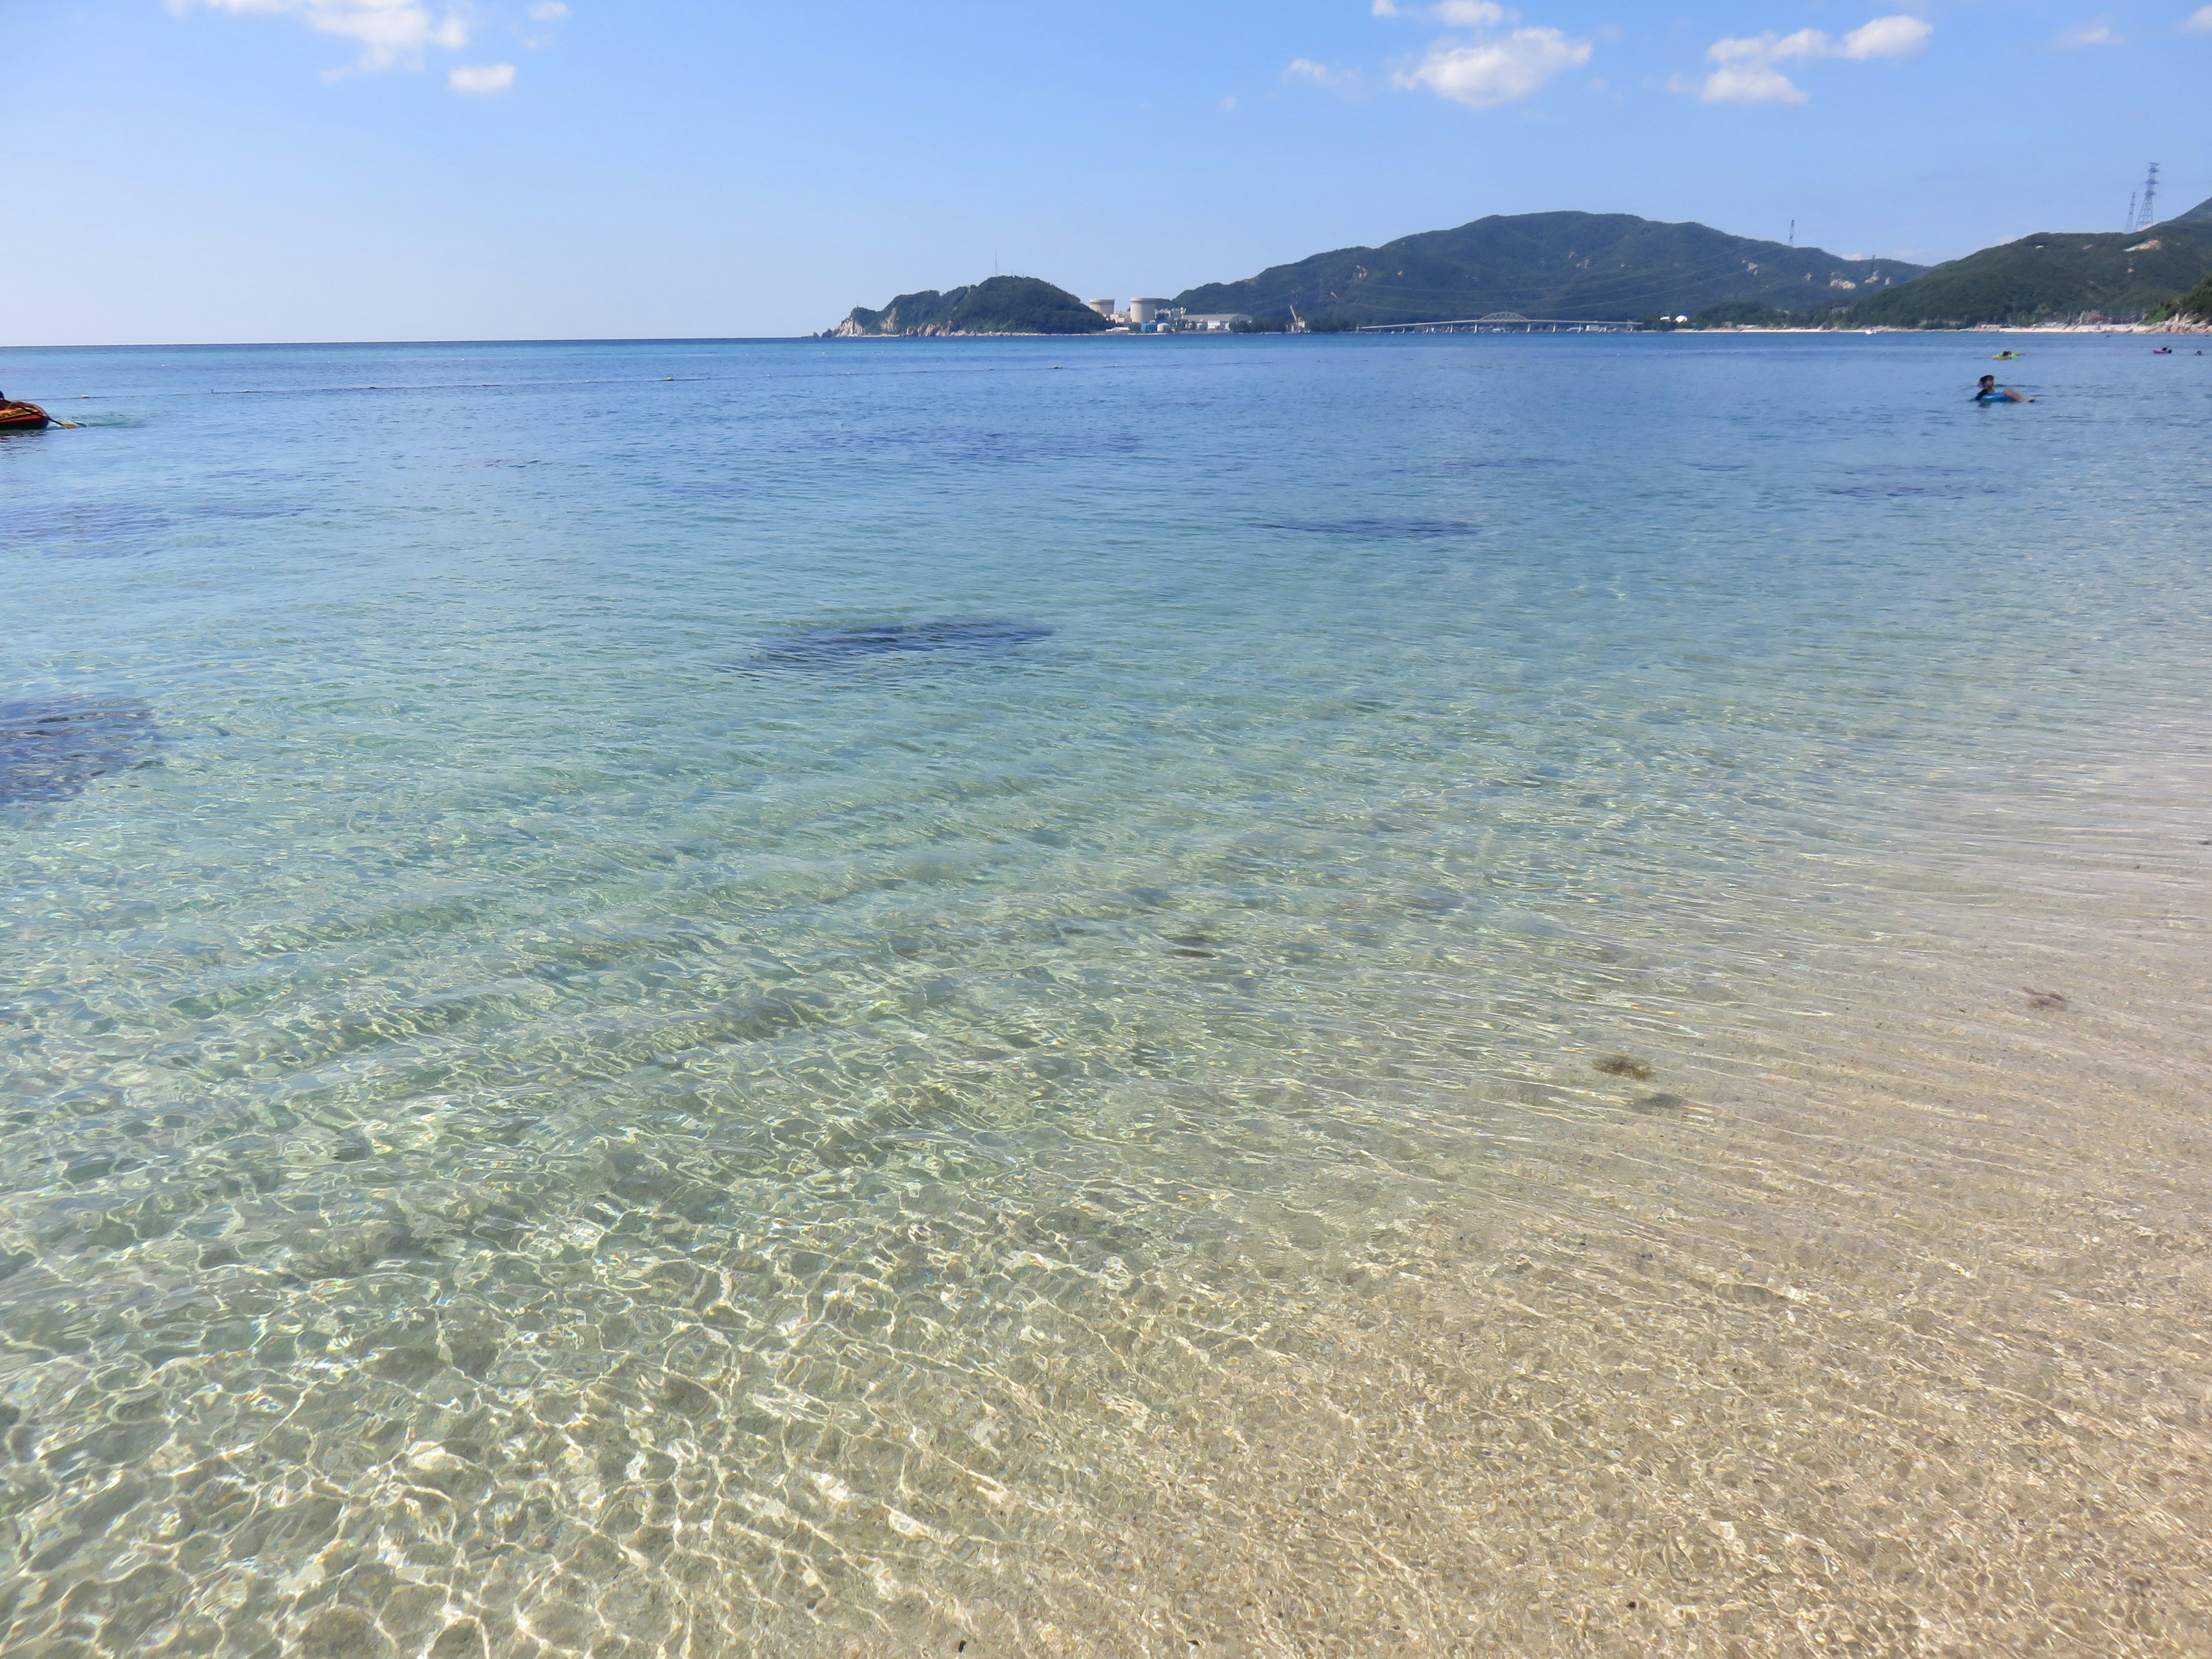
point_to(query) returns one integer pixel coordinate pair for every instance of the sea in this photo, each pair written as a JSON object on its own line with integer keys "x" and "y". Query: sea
{"x": 1142, "y": 997}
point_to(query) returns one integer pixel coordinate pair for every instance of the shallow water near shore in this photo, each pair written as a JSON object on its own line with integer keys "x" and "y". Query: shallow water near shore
{"x": 1113, "y": 997}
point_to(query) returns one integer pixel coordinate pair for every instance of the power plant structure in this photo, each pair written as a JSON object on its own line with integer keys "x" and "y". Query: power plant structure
{"x": 1156, "y": 316}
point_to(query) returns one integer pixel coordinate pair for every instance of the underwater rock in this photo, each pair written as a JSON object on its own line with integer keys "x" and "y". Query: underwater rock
{"x": 52, "y": 748}
{"x": 863, "y": 642}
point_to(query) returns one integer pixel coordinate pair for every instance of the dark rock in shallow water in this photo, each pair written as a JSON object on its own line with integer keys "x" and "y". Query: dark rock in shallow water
{"x": 50, "y": 749}
{"x": 838, "y": 648}
{"x": 1623, "y": 1066}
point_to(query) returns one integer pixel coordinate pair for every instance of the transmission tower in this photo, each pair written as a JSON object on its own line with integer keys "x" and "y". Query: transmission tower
{"x": 2149, "y": 195}
{"x": 2131, "y": 225}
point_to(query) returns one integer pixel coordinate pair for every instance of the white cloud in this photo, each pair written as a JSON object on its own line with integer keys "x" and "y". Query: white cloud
{"x": 2090, "y": 34}
{"x": 391, "y": 32}
{"x": 1765, "y": 48}
{"x": 1885, "y": 37}
{"x": 1471, "y": 14}
{"x": 2200, "y": 20}
{"x": 1317, "y": 75}
{"x": 482, "y": 78}
{"x": 1484, "y": 74}
{"x": 1745, "y": 83}
{"x": 548, "y": 11}
{"x": 1453, "y": 14}
{"x": 1744, "y": 70}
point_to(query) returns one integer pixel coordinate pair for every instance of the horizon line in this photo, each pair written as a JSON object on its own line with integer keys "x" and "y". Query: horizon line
{"x": 580, "y": 339}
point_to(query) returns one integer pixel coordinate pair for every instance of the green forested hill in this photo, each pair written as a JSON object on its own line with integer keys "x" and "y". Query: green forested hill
{"x": 1003, "y": 305}
{"x": 1579, "y": 266}
{"x": 2051, "y": 277}
{"x": 2201, "y": 214}
{"x": 2195, "y": 307}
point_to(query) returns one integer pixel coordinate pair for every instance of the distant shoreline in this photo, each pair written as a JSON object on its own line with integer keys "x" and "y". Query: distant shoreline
{"x": 1976, "y": 328}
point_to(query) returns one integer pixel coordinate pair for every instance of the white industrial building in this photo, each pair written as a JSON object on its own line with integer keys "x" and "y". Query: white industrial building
{"x": 1156, "y": 316}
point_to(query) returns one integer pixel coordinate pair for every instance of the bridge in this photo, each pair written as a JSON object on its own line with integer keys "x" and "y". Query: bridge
{"x": 1504, "y": 322}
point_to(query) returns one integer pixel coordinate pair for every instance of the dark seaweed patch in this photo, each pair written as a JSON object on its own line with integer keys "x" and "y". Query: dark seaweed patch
{"x": 1375, "y": 530}
{"x": 86, "y": 527}
{"x": 864, "y": 642}
{"x": 1930, "y": 483}
{"x": 112, "y": 528}
{"x": 994, "y": 448}
{"x": 247, "y": 510}
{"x": 49, "y": 751}
{"x": 971, "y": 446}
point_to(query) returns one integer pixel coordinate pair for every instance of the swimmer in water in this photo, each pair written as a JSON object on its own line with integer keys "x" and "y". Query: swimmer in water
{"x": 1990, "y": 392}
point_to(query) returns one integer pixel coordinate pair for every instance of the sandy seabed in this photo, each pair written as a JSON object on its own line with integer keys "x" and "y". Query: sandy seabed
{"x": 1888, "y": 1338}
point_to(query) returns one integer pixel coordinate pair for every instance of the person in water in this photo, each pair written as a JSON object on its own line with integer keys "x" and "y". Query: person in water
{"x": 1990, "y": 392}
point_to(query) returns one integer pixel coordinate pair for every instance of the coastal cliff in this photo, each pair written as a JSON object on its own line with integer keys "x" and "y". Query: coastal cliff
{"x": 1001, "y": 305}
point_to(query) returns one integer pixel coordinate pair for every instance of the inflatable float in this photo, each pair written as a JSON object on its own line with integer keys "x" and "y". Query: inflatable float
{"x": 23, "y": 417}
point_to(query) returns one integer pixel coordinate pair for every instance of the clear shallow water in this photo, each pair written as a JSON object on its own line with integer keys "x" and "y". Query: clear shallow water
{"x": 877, "y": 996}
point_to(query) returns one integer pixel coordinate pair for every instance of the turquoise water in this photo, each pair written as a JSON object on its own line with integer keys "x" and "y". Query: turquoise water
{"x": 632, "y": 971}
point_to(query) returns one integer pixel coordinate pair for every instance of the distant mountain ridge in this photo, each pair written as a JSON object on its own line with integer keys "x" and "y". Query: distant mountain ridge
{"x": 1579, "y": 266}
{"x": 2052, "y": 277}
{"x": 1001, "y": 305}
{"x": 1591, "y": 267}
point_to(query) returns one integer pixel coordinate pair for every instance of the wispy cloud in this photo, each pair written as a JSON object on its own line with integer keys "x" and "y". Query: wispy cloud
{"x": 391, "y": 33}
{"x": 1745, "y": 69}
{"x": 2200, "y": 20}
{"x": 1452, "y": 13}
{"x": 548, "y": 11}
{"x": 482, "y": 78}
{"x": 1319, "y": 74}
{"x": 1484, "y": 73}
{"x": 2099, "y": 34}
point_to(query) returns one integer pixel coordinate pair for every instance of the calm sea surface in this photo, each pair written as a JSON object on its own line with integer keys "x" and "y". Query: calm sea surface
{"x": 1125, "y": 997}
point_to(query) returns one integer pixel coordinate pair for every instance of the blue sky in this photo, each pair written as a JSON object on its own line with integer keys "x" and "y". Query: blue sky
{"x": 202, "y": 170}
